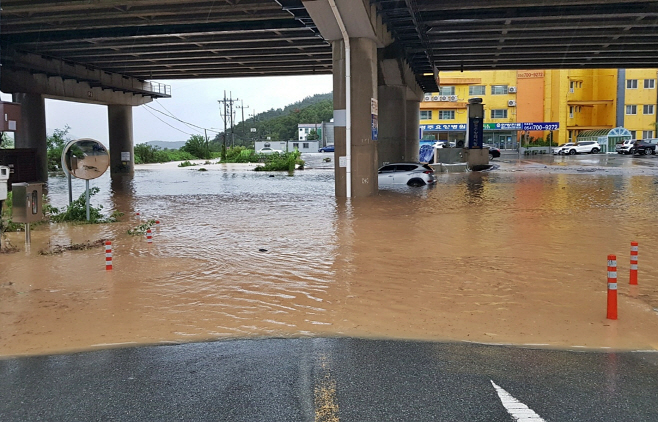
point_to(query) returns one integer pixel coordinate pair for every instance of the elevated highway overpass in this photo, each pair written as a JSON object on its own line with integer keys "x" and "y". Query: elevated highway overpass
{"x": 113, "y": 52}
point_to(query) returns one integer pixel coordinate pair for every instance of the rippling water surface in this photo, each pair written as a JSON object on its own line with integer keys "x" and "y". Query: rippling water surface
{"x": 512, "y": 255}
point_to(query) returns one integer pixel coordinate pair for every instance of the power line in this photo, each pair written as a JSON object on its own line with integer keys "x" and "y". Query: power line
{"x": 173, "y": 127}
{"x": 171, "y": 116}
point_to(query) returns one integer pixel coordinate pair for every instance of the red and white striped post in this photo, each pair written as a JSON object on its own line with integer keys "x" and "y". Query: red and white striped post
{"x": 612, "y": 287}
{"x": 108, "y": 255}
{"x": 157, "y": 224}
{"x": 634, "y": 250}
{"x": 149, "y": 236}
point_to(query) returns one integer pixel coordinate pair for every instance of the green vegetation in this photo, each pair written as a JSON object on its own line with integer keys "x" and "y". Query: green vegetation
{"x": 141, "y": 229}
{"x": 186, "y": 164}
{"x": 5, "y": 141}
{"x": 146, "y": 154}
{"x": 55, "y": 145}
{"x": 281, "y": 162}
{"x": 77, "y": 211}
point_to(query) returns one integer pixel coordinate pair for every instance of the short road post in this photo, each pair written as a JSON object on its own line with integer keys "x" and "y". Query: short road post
{"x": 634, "y": 250}
{"x": 108, "y": 255}
{"x": 612, "y": 287}
{"x": 149, "y": 236}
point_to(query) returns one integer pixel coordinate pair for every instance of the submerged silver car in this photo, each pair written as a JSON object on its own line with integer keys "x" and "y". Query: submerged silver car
{"x": 411, "y": 174}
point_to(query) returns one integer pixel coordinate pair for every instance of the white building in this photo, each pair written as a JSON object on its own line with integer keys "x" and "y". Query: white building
{"x": 325, "y": 131}
{"x": 304, "y": 146}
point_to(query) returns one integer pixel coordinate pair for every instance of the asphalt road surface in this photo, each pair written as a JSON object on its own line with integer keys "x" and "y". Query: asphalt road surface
{"x": 330, "y": 379}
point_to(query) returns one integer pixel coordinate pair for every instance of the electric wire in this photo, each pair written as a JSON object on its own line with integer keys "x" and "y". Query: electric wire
{"x": 173, "y": 127}
{"x": 171, "y": 116}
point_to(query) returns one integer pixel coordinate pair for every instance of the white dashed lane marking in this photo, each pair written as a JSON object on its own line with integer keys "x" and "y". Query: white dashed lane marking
{"x": 519, "y": 411}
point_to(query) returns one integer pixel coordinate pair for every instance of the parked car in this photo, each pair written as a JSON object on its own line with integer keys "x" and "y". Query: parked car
{"x": 328, "y": 148}
{"x": 559, "y": 148}
{"x": 589, "y": 147}
{"x": 643, "y": 148}
{"x": 493, "y": 151}
{"x": 625, "y": 147}
{"x": 412, "y": 174}
{"x": 268, "y": 150}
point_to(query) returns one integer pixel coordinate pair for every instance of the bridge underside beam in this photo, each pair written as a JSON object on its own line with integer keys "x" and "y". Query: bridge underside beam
{"x": 54, "y": 78}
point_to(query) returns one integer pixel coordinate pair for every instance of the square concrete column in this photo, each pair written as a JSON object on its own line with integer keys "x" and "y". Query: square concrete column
{"x": 363, "y": 89}
{"x": 412, "y": 135}
{"x": 31, "y": 132}
{"x": 120, "y": 123}
{"x": 392, "y": 124}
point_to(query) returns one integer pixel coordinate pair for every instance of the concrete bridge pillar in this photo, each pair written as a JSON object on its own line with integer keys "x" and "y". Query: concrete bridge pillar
{"x": 412, "y": 138}
{"x": 31, "y": 132}
{"x": 120, "y": 123}
{"x": 392, "y": 121}
{"x": 363, "y": 89}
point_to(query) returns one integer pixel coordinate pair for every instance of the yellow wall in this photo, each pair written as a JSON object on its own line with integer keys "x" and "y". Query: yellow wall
{"x": 546, "y": 95}
{"x": 640, "y": 97}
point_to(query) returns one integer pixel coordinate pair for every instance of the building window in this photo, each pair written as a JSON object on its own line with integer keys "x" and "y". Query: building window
{"x": 295, "y": 144}
{"x": 647, "y": 134}
{"x": 633, "y": 134}
{"x": 570, "y": 136}
{"x": 498, "y": 89}
{"x": 571, "y": 112}
{"x": 631, "y": 109}
{"x": 425, "y": 114}
{"x": 499, "y": 114}
{"x": 447, "y": 90}
{"x": 649, "y": 83}
{"x": 631, "y": 83}
{"x": 572, "y": 85}
{"x": 647, "y": 109}
{"x": 446, "y": 114}
{"x": 305, "y": 145}
{"x": 476, "y": 90}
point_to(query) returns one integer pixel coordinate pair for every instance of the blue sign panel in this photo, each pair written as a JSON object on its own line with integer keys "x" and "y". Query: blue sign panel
{"x": 541, "y": 126}
{"x": 475, "y": 132}
{"x": 375, "y": 127}
{"x": 450, "y": 126}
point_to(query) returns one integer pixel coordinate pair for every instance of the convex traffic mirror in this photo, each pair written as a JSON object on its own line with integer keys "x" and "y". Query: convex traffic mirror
{"x": 85, "y": 158}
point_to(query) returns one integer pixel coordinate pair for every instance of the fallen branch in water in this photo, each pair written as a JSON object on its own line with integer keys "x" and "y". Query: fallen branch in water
{"x": 59, "y": 249}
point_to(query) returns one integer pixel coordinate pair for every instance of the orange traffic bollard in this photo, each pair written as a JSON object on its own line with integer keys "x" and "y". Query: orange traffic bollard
{"x": 634, "y": 250}
{"x": 612, "y": 287}
{"x": 108, "y": 255}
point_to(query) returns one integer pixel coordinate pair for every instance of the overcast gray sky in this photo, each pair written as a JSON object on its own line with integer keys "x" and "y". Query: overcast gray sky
{"x": 193, "y": 101}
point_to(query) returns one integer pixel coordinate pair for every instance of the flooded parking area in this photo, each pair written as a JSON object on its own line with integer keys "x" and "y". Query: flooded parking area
{"x": 514, "y": 255}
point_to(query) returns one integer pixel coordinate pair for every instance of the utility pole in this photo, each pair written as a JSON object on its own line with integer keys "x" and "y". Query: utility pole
{"x": 242, "y": 107}
{"x": 227, "y": 114}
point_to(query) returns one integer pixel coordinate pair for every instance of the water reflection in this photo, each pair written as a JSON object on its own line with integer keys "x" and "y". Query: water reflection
{"x": 496, "y": 257}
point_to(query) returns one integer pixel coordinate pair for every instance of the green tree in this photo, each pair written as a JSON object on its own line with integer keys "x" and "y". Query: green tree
{"x": 5, "y": 141}
{"x": 197, "y": 146}
{"x": 313, "y": 135}
{"x": 55, "y": 144}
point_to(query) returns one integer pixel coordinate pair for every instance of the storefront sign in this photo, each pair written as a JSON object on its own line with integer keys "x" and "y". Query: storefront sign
{"x": 454, "y": 126}
{"x": 527, "y": 74}
{"x": 541, "y": 126}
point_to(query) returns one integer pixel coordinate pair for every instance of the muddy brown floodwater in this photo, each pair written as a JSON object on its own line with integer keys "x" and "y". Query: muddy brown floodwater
{"x": 516, "y": 255}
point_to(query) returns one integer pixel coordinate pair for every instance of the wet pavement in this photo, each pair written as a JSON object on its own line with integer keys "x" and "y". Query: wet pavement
{"x": 512, "y": 256}
{"x": 330, "y": 379}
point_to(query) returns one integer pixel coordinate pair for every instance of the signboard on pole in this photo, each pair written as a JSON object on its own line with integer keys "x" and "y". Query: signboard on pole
{"x": 374, "y": 115}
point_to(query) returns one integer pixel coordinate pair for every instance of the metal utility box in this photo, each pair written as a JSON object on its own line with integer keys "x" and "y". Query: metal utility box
{"x": 26, "y": 202}
{"x": 10, "y": 116}
{"x": 4, "y": 180}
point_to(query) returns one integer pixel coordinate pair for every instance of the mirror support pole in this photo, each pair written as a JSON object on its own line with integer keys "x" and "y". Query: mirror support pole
{"x": 68, "y": 176}
{"x": 87, "y": 196}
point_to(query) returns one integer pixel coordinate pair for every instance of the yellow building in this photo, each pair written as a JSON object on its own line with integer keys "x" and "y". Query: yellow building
{"x": 579, "y": 100}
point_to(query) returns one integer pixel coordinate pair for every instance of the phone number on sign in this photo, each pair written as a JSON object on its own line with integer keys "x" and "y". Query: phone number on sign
{"x": 547, "y": 126}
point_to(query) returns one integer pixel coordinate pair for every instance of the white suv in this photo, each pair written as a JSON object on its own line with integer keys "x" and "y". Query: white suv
{"x": 412, "y": 174}
{"x": 625, "y": 147}
{"x": 559, "y": 148}
{"x": 591, "y": 147}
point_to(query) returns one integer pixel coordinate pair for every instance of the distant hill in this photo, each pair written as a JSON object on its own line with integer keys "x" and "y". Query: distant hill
{"x": 166, "y": 144}
{"x": 281, "y": 124}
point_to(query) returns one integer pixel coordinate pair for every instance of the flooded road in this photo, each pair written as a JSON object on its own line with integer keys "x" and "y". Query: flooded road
{"x": 515, "y": 255}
